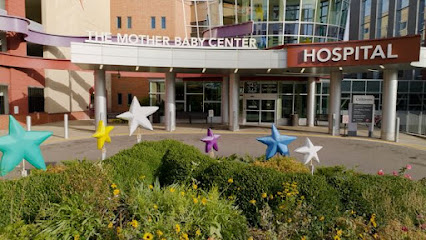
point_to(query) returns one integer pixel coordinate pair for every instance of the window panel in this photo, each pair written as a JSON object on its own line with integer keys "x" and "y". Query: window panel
{"x": 292, "y": 10}
{"x": 129, "y": 22}
{"x": 35, "y": 100}
{"x": 118, "y": 22}
{"x": 153, "y": 22}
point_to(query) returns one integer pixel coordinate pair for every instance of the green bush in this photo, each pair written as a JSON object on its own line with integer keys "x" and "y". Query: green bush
{"x": 173, "y": 211}
{"x": 283, "y": 164}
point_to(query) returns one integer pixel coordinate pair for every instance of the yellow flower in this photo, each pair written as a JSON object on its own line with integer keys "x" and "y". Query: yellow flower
{"x": 182, "y": 194}
{"x": 282, "y": 206}
{"x": 339, "y": 232}
{"x": 155, "y": 206}
{"x": 353, "y": 212}
{"x": 159, "y": 233}
{"x": 151, "y": 187}
{"x": 279, "y": 193}
{"x": 321, "y": 218}
{"x": 252, "y": 201}
{"x": 250, "y": 238}
{"x": 303, "y": 238}
{"x": 271, "y": 197}
{"x": 230, "y": 180}
{"x": 134, "y": 223}
{"x": 194, "y": 186}
{"x": 195, "y": 200}
{"x": 198, "y": 232}
{"x": 177, "y": 228}
{"x": 113, "y": 185}
{"x": 289, "y": 220}
{"x": 77, "y": 237}
{"x": 148, "y": 236}
{"x": 116, "y": 192}
{"x": 184, "y": 236}
{"x": 264, "y": 195}
{"x": 375, "y": 236}
{"x": 119, "y": 230}
{"x": 204, "y": 201}
{"x": 110, "y": 225}
{"x": 142, "y": 177}
{"x": 336, "y": 238}
{"x": 172, "y": 189}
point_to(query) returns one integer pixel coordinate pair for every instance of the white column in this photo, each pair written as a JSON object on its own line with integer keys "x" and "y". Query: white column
{"x": 100, "y": 97}
{"x": 311, "y": 102}
{"x": 234, "y": 85}
{"x": 170, "y": 105}
{"x": 334, "y": 103}
{"x": 225, "y": 100}
{"x": 108, "y": 86}
{"x": 390, "y": 87}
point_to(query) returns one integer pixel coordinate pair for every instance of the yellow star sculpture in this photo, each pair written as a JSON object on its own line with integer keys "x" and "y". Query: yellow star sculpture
{"x": 102, "y": 134}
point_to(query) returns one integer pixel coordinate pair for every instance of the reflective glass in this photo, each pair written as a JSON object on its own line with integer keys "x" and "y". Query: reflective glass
{"x": 180, "y": 91}
{"x": 275, "y": 29}
{"x": 365, "y": 19}
{"x": 194, "y": 103}
{"x": 308, "y": 10}
{"x": 212, "y": 91}
{"x": 259, "y": 29}
{"x": 194, "y": 87}
{"x": 252, "y": 116}
{"x": 307, "y": 29}
{"x": 305, "y": 39}
{"x": 358, "y": 86}
{"x": 287, "y": 106}
{"x": 268, "y": 117}
{"x": 260, "y": 10}
{"x": 373, "y": 86}
{"x": 287, "y": 88}
{"x": 382, "y": 18}
{"x": 416, "y": 86}
{"x": 332, "y": 31}
{"x": 346, "y": 86}
{"x": 228, "y": 11}
{"x": 291, "y": 29}
{"x": 322, "y": 11}
{"x": 216, "y": 107}
{"x": 336, "y": 6}
{"x": 292, "y": 10}
{"x": 401, "y": 17}
{"x": 243, "y": 11}
{"x": 276, "y": 10}
{"x": 321, "y": 30}
{"x": 289, "y": 40}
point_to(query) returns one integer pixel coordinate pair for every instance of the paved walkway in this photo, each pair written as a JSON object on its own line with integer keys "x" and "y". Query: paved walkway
{"x": 361, "y": 153}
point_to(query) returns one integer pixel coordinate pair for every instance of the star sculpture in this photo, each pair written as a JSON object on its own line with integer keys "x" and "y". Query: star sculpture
{"x": 276, "y": 143}
{"x": 211, "y": 141}
{"x": 21, "y": 144}
{"x": 102, "y": 134}
{"x": 138, "y": 116}
{"x": 311, "y": 153}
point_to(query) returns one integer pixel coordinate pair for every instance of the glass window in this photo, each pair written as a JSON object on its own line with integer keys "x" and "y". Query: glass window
{"x": 287, "y": 88}
{"x": 287, "y": 106}
{"x": 35, "y": 100}
{"x": 300, "y": 88}
{"x": 305, "y": 40}
{"x": 259, "y": 29}
{"x": 401, "y": 17}
{"x": 119, "y": 98}
{"x": 194, "y": 87}
{"x": 300, "y": 105}
{"x": 292, "y": 10}
{"x": 156, "y": 87}
{"x": 382, "y": 18}
{"x": 163, "y": 22}
{"x": 308, "y": 10}
{"x": 129, "y": 22}
{"x": 276, "y": 10}
{"x": 321, "y": 30}
{"x": 3, "y": 99}
{"x": 194, "y": 103}
{"x": 129, "y": 98}
{"x": 365, "y": 19}
{"x": 228, "y": 11}
{"x": 275, "y": 29}
{"x": 416, "y": 86}
{"x": 180, "y": 91}
{"x": 118, "y": 22}
{"x": 274, "y": 41}
{"x": 251, "y": 87}
{"x": 322, "y": 11}
{"x": 260, "y": 10}
{"x": 307, "y": 29}
{"x": 336, "y": 6}
{"x": 422, "y": 19}
{"x": 289, "y": 40}
{"x": 358, "y": 86}
{"x": 216, "y": 107}
{"x": 212, "y": 91}
{"x": 332, "y": 31}
{"x": 345, "y": 11}
{"x": 291, "y": 29}
{"x": 153, "y": 22}
{"x": 346, "y": 86}
{"x": 325, "y": 87}
{"x": 373, "y": 86}
{"x": 269, "y": 87}
{"x": 402, "y": 86}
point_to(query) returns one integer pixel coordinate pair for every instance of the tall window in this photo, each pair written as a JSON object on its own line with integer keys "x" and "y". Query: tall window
{"x": 292, "y": 10}
{"x": 322, "y": 11}
{"x": 118, "y": 22}
{"x": 129, "y": 98}
{"x": 163, "y": 22}
{"x": 401, "y": 17}
{"x": 382, "y": 18}
{"x": 35, "y": 100}
{"x": 153, "y": 22}
{"x": 119, "y": 98}
{"x": 422, "y": 19}
{"x": 365, "y": 19}
{"x": 129, "y": 22}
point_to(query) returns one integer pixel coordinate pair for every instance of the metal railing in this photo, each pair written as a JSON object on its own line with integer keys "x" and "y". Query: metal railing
{"x": 413, "y": 122}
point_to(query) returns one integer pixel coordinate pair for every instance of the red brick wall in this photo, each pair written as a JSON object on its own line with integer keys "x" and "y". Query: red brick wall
{"x": 15, "y": 41}
{"x": 137, "y": 86}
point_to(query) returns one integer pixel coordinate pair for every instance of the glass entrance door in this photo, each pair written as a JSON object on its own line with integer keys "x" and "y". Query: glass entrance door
{"x": 260, "y": 111}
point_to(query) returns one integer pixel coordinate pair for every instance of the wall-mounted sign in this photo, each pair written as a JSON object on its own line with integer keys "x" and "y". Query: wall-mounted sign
{"x": 351, "y": 53}
{"x": 164, "y": 41}
{"x": 363, "y": 99}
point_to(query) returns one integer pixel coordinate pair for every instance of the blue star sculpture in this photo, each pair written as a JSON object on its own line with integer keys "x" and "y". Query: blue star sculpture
{"x": 21, "y": 144}
{"x": 276, "y": 143}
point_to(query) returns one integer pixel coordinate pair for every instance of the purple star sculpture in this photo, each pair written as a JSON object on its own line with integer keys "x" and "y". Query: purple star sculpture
{"x": 211, "y": 141}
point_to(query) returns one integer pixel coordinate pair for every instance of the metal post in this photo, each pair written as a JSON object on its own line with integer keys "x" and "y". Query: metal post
{"x": 66, "y": 126}
{"x": 398, "y": 121}
{"x": 28, "y": 123}
{"x": 407, "y": 120}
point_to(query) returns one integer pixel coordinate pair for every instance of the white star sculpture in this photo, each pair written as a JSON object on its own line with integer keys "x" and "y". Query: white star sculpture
{"x": 138, "y": 116}
{"x": 310, "y": 151}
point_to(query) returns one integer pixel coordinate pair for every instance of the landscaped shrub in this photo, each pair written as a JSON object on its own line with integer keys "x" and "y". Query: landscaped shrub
{"x": 179, "y": 212}
{"x": 283, "y": 164}
{"x": 23, "y": 199}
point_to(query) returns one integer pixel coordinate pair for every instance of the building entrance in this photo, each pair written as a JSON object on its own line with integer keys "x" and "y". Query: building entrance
{"x": 260, "y": 110}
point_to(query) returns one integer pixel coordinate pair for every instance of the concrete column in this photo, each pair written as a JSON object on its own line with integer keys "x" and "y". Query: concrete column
{"x": 100, "y": 97}
{"x": 311, "y": 102}
{"x": 109, "y": 91}
{"x": 389, "y": 96}
{"x": 170, "y": 105}
{"x": 225, "y": 100}
{"x": 334, "y": 103}
{"x": 234, "y": 87}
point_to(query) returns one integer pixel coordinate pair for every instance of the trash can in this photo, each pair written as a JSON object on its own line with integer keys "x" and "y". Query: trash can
{"x": 295, "y": 119}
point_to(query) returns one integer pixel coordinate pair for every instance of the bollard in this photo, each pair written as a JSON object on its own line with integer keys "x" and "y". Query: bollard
{"x": 398, "y": 120}
{"x": 28, "y": 123}
{"x": 66, "y": 126}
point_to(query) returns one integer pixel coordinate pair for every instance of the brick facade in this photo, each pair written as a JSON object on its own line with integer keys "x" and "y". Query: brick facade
{"x": 136, "y": 86}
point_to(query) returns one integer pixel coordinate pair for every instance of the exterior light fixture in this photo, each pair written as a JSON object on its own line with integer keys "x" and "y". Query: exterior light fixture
{"x": 204, "y": 70}
{"x": 302, "y": 70}
{"x": 236, "y": 70}
{"x": 171, "y": 69}
{"x": 137, "y": 68}
{"x": 382, "y": 67}
{"x": 268, "y": 71}
{"x": 101, "y": 67}
{"x": 340, "y": 68}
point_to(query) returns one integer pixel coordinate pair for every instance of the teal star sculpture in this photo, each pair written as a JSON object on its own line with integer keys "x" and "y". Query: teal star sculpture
{"x": 21, "y": 144}
{"x": 276, "y": 143}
